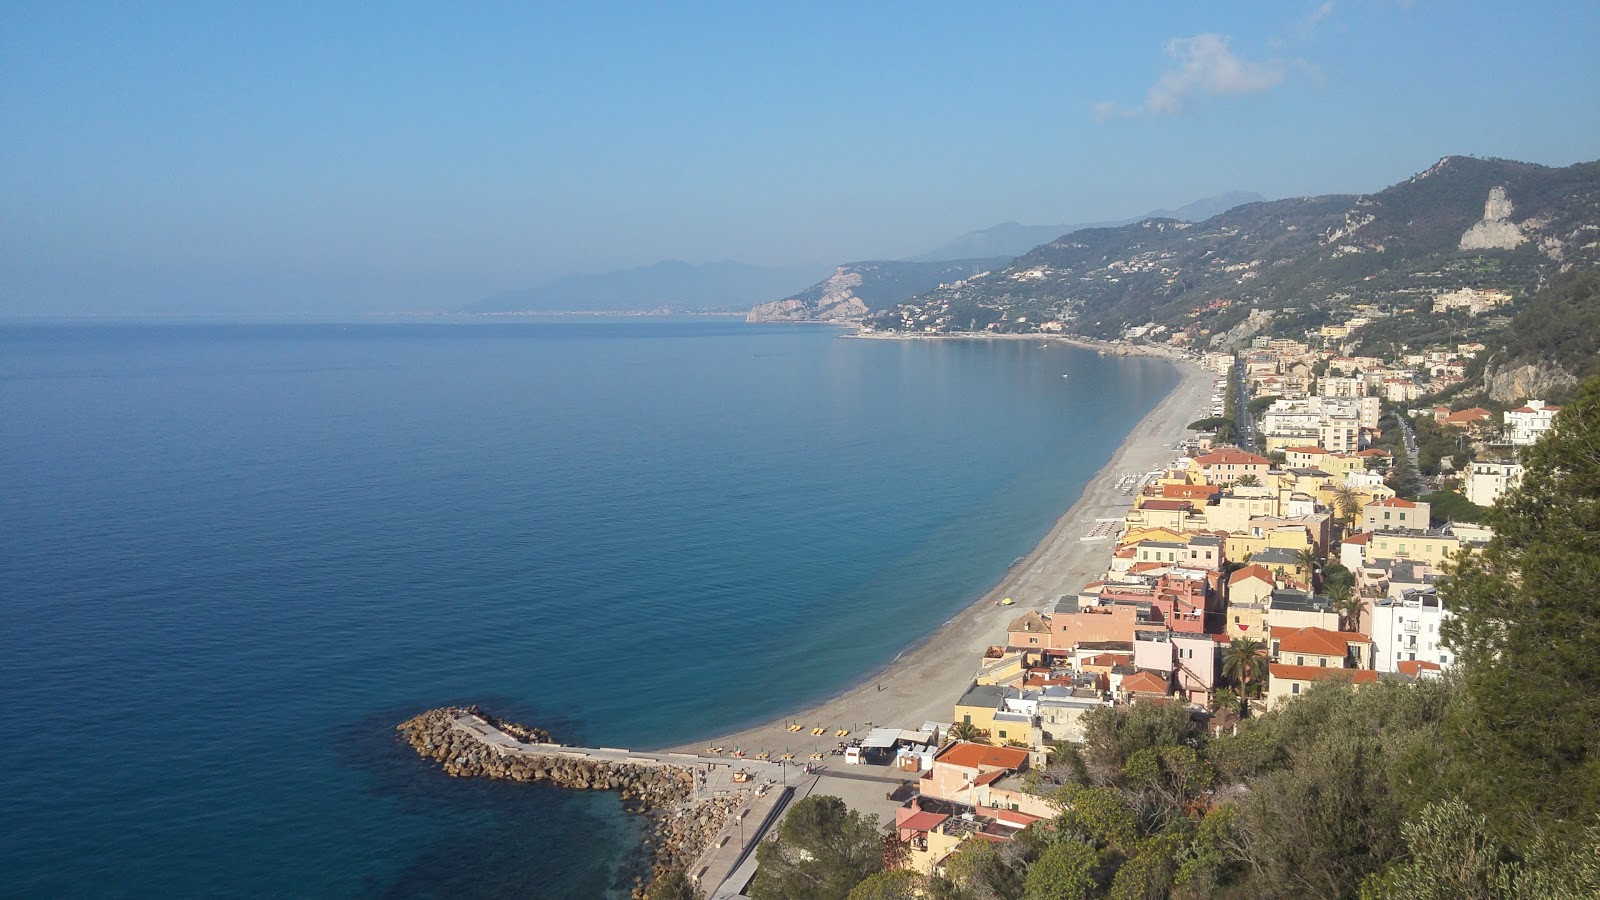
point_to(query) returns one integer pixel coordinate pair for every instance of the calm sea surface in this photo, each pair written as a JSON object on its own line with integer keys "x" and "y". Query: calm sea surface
{"x": 233, "y": 557}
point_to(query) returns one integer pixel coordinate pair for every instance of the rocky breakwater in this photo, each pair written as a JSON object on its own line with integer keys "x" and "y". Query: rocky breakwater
{"x": 679, "y": 830}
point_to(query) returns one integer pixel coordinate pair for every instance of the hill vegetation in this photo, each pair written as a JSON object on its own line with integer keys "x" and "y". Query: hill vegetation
{"x": 1464, "y": 223}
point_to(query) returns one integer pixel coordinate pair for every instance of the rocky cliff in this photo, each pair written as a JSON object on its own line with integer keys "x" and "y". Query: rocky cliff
{"x": 856, "y": 290}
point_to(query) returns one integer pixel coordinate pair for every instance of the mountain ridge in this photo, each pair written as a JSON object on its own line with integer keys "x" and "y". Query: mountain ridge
{"x": 1497, "y": 225}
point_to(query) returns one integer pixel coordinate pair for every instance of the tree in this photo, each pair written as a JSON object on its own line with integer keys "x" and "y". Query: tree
{"x": 900, "y": 884}
{"x": 1245, "y": 661}
{"x": 966, "y": 731}
{"x": 1347, "y": 504}
{"x": 1065, "y": 871}
{"x": 1248, "y": 481}
{"x": 1347, "y": 605}
{"x": 1527, "y": 735}
{"x": 1308, "y": 560}
{"x": 822, "y": 850}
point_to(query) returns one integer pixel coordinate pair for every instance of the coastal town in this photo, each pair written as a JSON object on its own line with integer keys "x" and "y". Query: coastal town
{"x": 1264, "y": 557}
{"x": 1269, "y": 528}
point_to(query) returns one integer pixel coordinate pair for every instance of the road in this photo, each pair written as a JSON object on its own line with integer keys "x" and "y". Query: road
{"x": 1243, "y": 421}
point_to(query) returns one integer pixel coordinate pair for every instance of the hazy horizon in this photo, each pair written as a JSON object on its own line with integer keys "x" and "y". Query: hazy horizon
{"x": 178, "y": 160}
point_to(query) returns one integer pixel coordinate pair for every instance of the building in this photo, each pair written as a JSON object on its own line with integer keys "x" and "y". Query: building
{"x": 1229, "y": 464}
{"x": 1298, "y": 609}
{"x": 1436, "y": 547}
{"x": 1395, "y": 513}
{"x": 958, "y": 768}
{"x": 1407, "y": 630}
{"x": 1286, "y": 681}
{"x": 1527, "y": 423}
{"x": 1487, "y": 482}
{"x": 1249, "y": 593}
{"x": 1321, "y": 647}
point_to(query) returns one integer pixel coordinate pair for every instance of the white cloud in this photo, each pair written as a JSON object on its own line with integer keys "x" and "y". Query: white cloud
{"x": 1205, "y": 67}
{"x": 1318, "y": 14}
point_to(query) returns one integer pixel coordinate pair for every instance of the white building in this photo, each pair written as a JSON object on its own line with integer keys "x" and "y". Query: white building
{"x": 1526, "y": 424}
{"x": 1488, "y": 481}
{"x": 1408, "y": 629}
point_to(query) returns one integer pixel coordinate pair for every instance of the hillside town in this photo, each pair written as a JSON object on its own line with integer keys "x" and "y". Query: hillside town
{"x": 1291, "y": 541}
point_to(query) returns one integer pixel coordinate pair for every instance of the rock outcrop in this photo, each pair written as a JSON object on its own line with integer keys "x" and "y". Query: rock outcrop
{"x": 1519, "y": 382}
{"x": 1496, "y": 231}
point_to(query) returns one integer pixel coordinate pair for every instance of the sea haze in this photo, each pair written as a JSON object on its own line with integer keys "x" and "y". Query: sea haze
{"x": 233, "y": 557}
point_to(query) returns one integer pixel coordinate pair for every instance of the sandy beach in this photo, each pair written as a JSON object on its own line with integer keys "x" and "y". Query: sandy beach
{"x": 923, "y": 683}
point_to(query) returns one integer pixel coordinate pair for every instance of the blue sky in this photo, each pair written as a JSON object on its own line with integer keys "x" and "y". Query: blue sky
{"x": 299, "y": 158}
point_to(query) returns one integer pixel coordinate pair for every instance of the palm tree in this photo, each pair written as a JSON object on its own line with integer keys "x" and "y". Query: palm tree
{"x": 1248, "y": 481}
{"x": 966, "y": 731}
{"x": 1347, "y": 605}
{"x": 1347, "y": 502}
{"x": 1225, "y": 698}
{"x": 1245, "y": 661}
{"x": 1308, "y": 560}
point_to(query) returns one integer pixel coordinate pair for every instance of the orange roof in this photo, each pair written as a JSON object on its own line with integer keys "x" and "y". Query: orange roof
{"x": 1304, "y": 450}
{"x": 1467, "y": 416}
{"x": 1167, "y": 504}
{"x": 1320, "y": 641}
{"x": 1251, "y": 571}
{"x": 1360, "y": 537}
{"x": 1321, "y": 673}
{"x": 1232, "y": 455}
{"x": 973, "y": 756}
{"x": 1415, "y": 667}
{"x": 1395, "y": 503}
{"x": 1137, "y": 568}
{"x": 922, "y": 821}
{"x": 1142, "y": 682}
{"x": 1373, "y": 453}
{"x": 1109, "y": 659}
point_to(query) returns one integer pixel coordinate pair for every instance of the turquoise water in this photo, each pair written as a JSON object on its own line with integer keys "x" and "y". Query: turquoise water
{"x": 233, "y": 557}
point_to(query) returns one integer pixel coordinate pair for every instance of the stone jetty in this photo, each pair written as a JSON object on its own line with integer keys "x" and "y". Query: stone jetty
{"x": 470, "y": 743}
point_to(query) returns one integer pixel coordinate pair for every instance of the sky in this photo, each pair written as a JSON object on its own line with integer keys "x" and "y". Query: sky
{"x": 303, "y": 159}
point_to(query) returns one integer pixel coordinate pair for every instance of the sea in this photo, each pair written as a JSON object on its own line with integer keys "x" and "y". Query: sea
{"x": 233, "y": 556}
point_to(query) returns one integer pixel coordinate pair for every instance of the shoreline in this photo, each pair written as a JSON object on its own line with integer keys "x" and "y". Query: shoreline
{"x": 925, "y": 679}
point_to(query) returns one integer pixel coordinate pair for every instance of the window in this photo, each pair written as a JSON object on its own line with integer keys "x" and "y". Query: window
{"x": 967, "y": 719}
{"x": 1294, "y": 688}
{"x": 1002, "y": 735}
{"x": 1299, "y": 660}
{"x": 1323, "y": 662}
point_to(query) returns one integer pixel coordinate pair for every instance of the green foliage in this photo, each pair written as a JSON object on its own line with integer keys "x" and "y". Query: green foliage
{"x": 1113, "y": 734}
{"x": 673, "y": 884}
{"x": 1102, "y": 814}
{"x": 1451, "y": 506}
{"x": 1235, "y": 757}
{"x": 1148, "y": 874}
{"x": 1245, "y": 663}
{"x": 982, "y": 869}
{"x": 1065, "y": 871}
{"x": 1259, "y": 405}
{"x": 1559, "y": 325}
{"x": 822, "y": 850}
{"x": 1526, "y": 631}
{"x": 900, "y": 884}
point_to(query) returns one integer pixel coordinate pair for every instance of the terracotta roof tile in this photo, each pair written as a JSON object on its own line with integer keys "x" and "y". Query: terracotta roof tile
{"x": 973, "y": 756}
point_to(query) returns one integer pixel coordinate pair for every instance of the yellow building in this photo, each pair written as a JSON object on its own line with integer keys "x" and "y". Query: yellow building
{"x": 1432, "y": 547}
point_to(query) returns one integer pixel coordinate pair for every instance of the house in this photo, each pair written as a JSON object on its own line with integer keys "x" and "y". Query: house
{"x": 1061, "y": 712}
{"x": 979, "y": 705}
{"x": 959, "y": 766}
{"x": 1229, "y": 464}
{"x": 1285, "y": 564}
{"x": 1527, "y": 423}
{"x": 1435, "y": 546}
{"x": 1196, "y": 662}
{"x": 1146, "y": 684}
{"x": 1353, "y": 550}
{"x": 1407, "y": 630}
{"x": 1395, "y": 513}
{"x": 1249, "y": 592}
{"x": 1298, "y": 609}
{"x": 1286, "y": 681}
{"x": 1471, "y": 419}
{"x": 1321, "y": 647}
{"x": 1487, "y": 482}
